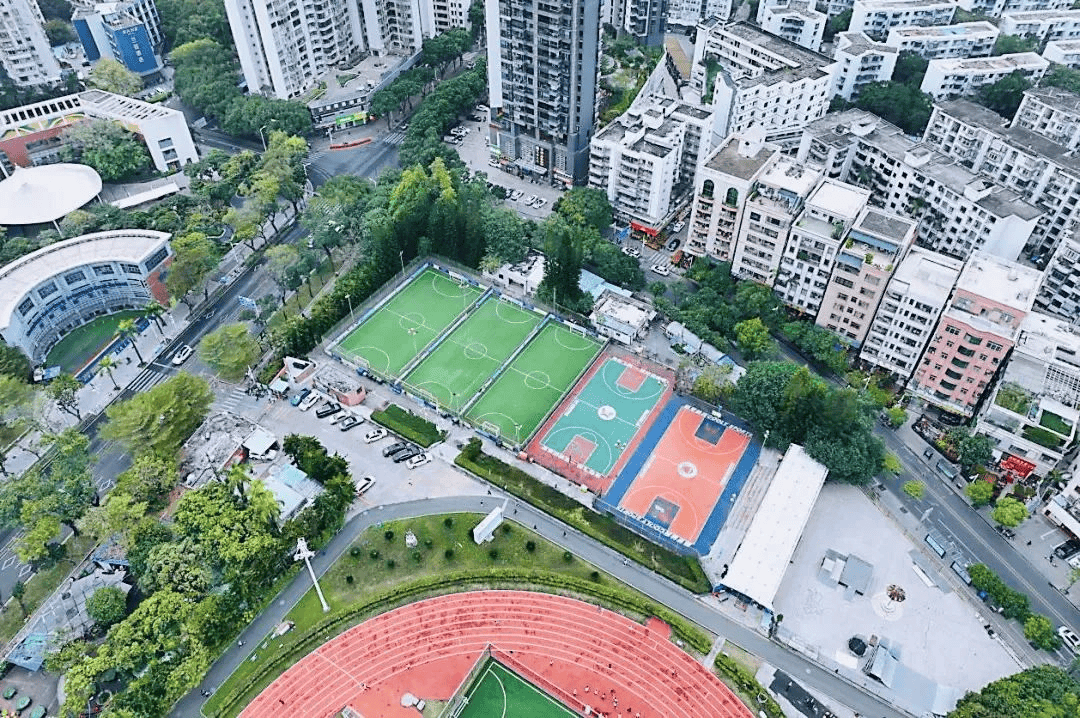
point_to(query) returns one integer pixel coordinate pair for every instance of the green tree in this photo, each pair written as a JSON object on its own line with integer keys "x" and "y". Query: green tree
{"x": 585, "y": 206}
{"x": 897, "y": 416}
{"x": 1009, "y": 512}
{"x": 154, "y": 311}
{"x": 113, "y": 151}
{"x": 914, "y": 489}
{"x": 712, "y": 383}
{"x": 753, "y": 337}
{"x": 185, "y": 20}
{"x": 1010, "y": 44}
{"x": 1064, "y": 77}
{"x": 195, "y": 259}
{"x": 112, "y": 76}
{"x": 149, "y": 479}
{"x": 1040, "y": 633}
{"x": 1005, "y": 95}
{"x": 905, "y": 106}
{"x": 974, "y": 450}
{"x": 836, "y": 24}
{"x": 107, "y": 364}
{"x": 891, "y": 463}
{"x": 17, "y": 592}
{"x": 55, "y": 9}
{"x": 280, "y": 259}
{"x": 161, "y": 419}
{"x": 177, "y": 566}
{"x": 231, "y": 350}
{"x": 117, "y": 515}
{"x": 980, "y": 492}
{"x": 127, "y": 329}
{"x": 614, "y": 266}
{"x": 17, "y": 400}
{"x": 60, "y": 32}
{"x": 64, "y": 390}
{"x": 107, "y": 606}
{"x": 13, "y": 362}
{"x": 562, "y": 270}
{"x": 910, "y": 69}
{"x": 1044, "y": 691}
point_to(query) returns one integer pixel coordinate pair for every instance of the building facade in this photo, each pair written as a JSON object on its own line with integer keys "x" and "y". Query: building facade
{"x": 958, "y": 211}
{"x": 128, "y": 32}
{"x": 1045, "y": 25}
{"x": 978, "y": 328}
{"x": 955, "y": 77}
{"x": 684, "y": 15}
{"x": 859, "y": 62}
{"x": 646, "y": 20}
{"x": 875, "y": 18}
{"x": 994, "y": 8}
{"x": 1060, "y": 291}
{"x": 542, "y": 65}
{"x": 24, "y": 48}
{"x": 909, "y": 310}
{"x": 814, "y": 242}
{"x": 1053, "y": 113}
{"x": 964, "y": 39}
{"x": 794, "y": 20}
{"x": 1033, "y": 410}
{"x": 1063, "y": 52}
{"x": 65, "y": 285}
{"x": 865, "y": 262}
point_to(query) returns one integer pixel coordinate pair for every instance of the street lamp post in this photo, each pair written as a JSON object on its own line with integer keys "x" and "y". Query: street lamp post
{"x": 349, "y": 300}
{"x": 401, "y": 256}
{"x": 262, "y": 137}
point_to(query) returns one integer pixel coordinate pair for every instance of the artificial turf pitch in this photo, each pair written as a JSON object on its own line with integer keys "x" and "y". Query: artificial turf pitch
{"x": 457, "y": 368}
{"x": 403, "y": 327}
{"x": 501, "y": 693}
{"x": 534, "y": 382}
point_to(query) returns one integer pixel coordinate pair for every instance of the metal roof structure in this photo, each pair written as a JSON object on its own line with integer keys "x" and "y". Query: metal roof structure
{"x": 36, "y": 195}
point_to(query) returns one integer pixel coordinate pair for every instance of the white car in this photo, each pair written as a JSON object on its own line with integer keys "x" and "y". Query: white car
{"x": 375, "y": 434}
{"x": 182, "y": 355}
{"x": 418, "y": 461}
{"x": 515, "y": 195}
{"x": 459, "y": 131}
{"x": 631, "y": 251}
{"x": 365, "y": 483}
{"x": 481, "y": 108}
{"x": 677, "y": 227}
{"x": 1069, "y": 638}
{"x": 540, "y": 202}
{"x": 312, "y": 399}
{"x": 530, "y": 199}
{"x": 660, "y": 269}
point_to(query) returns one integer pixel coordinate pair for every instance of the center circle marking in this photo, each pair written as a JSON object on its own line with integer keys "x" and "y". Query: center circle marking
{"x": 606, "y": 412}
{"x": 687, "y": 470}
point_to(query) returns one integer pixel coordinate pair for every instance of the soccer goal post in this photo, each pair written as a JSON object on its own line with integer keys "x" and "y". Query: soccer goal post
{"x": 491, "y": 428}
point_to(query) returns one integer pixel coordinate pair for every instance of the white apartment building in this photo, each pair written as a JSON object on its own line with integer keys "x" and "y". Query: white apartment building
{"x": 768, "y": 215}
{"x": 1053, "y": 113}
{"x": 905, "y": 319}
{"x": 994, "y": 8}
{"x": 865, "y": 262}
{"x": 646, "y": 156}
{"x": 794, "y": 20}
{"x": 834, "y": 7}
{"x": 753, "y": 77}
{"x": 1060, "y": 290}
{"x": 954, "y": 77}
{"x": 24, "y": 49}
{"x": 814, "y": 241}
{"x": 1033, "y": 411}
{"x": 1046, "y": 25}
{"x": 876, "y": 18}
{"x": 860, "y": 61}
{"x": 1043, "y": 172}
{"x": 1063, "y": 52}
{"x": 722, "y": 185}
{"x": 965, "y": 39}
{"x": 686, "y": 14}
{"x": 958, "y": 211}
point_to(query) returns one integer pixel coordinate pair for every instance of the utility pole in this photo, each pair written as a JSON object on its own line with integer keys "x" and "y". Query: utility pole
{"x": 303, "y": 553}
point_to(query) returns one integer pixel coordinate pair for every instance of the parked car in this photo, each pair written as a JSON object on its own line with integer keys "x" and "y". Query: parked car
{"x": 515, "y": 195}
{"x": 1069, "y": 638}
{"x": 660, "y": 269}
{"x": 407, "y": 454}
{"x": 481, "y": 108}
{"x": 299, "y": 397}
{"x": 348, "y": 422}
{"x": 365, "y": 483}
{"x": 312, "y": 399}
{"x": 374, "y": 435}
{"x": 418, "y": 460}
{"x": 1068, "y": 549}
{"x": 394, "y": 448}
{"x": 330, "y": 407}
{"x": 182, "y": 355}
{"x": 530, "y": 199}
{"x": 673, "y": 244}
{"x": 677, "y": 227}
{"x": 539, "y": 203}
{"x": 631, "y": 251}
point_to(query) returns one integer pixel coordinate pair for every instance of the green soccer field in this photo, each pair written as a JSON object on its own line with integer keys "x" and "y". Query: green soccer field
{"x": 534, "y": 382}
{"x": 80, "y": 345}
{"x": 500, "y": 693}
{"x": 611, "y": 435}
{"x": 475, "y": 350}
{"x": 403, "y": 327}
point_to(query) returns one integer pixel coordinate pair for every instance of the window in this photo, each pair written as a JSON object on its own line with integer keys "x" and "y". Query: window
{"x": 994, "y": 346}
{"x": 707, "y": 189}
{"x": 104, "y": 269}
{"x": 74, "y": 277}
{"x": 26, "y": 306}
{"x": 732, "y": 198}
{"x": 155, "y": 259}
{"x": 131, "y": 268}
{"x": 971, "y": 339}
{"x": 951, "y": 329}
{"x": 47, "y": 289}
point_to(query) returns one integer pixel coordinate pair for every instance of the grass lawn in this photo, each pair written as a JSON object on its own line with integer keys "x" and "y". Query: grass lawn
{"x": 534, "y": 382}
{"x": 42, "y": 584}
{"x": 73, "y": 351}
{"x": 472, "y": 353}
{"x": 499, "y": 691}
{"x": 376, "y": 566}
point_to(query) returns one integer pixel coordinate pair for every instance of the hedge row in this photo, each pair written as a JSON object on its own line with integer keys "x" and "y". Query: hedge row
{"x": 409, "y": 425}
{"x": 683, "y": 570}
{"x": 745, "y": 680}
{"x": 613, "y": 597}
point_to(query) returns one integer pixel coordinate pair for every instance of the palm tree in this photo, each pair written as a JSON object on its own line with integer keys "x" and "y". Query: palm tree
{"x": 107, "y": 363}
{"x": 153, "y": 311}
{"x": 127, "y": 330}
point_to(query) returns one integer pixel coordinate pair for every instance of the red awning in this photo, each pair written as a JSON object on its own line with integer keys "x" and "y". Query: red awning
{"x": 642, "y": 228}
{"x": 1020, "y": 467}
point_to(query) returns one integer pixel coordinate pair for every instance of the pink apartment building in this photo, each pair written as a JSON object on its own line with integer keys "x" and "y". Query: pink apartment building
{"x": 977, "y": 329}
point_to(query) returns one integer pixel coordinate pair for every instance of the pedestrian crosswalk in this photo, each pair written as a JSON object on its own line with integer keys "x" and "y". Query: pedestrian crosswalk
{"x": 394, "y": 138}
{"x": 231, "y": 400}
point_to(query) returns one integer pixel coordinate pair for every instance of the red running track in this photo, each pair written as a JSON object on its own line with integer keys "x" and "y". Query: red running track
{"x": 426, "y": 648}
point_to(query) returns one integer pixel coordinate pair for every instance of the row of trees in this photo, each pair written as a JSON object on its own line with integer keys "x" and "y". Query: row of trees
{"x": 206, "y": 79}
{"x": 437, "y": 54}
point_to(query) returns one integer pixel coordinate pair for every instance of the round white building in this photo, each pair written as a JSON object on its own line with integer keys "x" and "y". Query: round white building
{"x": 58, "y": 288}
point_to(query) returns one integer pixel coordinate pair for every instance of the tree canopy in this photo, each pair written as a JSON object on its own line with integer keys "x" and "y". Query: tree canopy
{"x": 107, "y": 606}
{"x": 231, "y": 350}
{"x": 161, "y": 419}
{"x": 586, "y": 206}
{"x": 1005, "y": 95}
{"x": 905, "y": 106}
{"x": 112, "y": 76}
{"x": 196, "y": 257}
{"x": 1043, "y": 691}
{"x": 113, "y": 151}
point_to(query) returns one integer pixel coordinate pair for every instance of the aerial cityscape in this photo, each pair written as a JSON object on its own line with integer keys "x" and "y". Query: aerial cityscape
{"x": 540, "y": 358}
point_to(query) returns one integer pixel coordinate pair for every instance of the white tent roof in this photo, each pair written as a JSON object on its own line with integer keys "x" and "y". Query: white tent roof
{"x": 764, "y": 555}
{"x": 34, "y": 195}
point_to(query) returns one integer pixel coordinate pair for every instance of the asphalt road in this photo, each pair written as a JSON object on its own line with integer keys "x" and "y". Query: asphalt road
{"x": 663, "y": 591}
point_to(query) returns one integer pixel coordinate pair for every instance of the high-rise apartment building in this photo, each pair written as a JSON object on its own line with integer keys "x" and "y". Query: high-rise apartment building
{"x": 876, "y": 18}
{"x": 1053, "y": 113}
{"x": 994, "y": 8}
{"x": 964, "y": 39}
{"x": 905, "y": 319}
{"x": 859, "y": 62}
{"x": 1043, "y": 25}
{"x": 977, "y": 330}
{"x": 128, "y": 32}
{"x": 796, "y": 21}
{"x": 1060, "y": 290}
{"x": 542, "y": 64}
{"x": 955, "y": 76}
{"x": 1063, "y": 52}
{"x": 683, "y": 15}
{"x": 24, "y": 48}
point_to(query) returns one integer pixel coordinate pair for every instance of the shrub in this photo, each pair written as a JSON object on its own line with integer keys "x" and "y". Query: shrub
{"x": 505, "y": 528}
{"x": 448, "y": 554}
{"x": 428, "y": 543}
{"x": 412, "y": 427}
{"x": 530, "y": 545}
{"x": 416, "y": 556}
{"x": 493, "y": 554}
{"x": 354, "y": 552}
{"x": 349, "y": 579}
{"x": 567, "y": 557}
{"x": 390, "y": 563}
{"x": 374, "y": 555}
{"x": 448, "y": 522}
{"x": 595, "y": 576}
{"x": 389, "y": 535}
